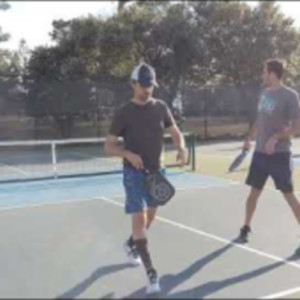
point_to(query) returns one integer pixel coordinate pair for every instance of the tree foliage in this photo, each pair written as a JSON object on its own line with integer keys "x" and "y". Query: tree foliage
{"x": 188, "y": 43}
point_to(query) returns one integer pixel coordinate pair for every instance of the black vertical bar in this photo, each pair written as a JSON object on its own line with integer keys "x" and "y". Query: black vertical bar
{"x": 193, "y": 152}
{"x": 189, "y": 143}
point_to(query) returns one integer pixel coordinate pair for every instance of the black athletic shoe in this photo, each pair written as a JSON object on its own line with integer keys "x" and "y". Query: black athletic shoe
{"x": 244, "y": 232}
{"x": 297, "y": 252}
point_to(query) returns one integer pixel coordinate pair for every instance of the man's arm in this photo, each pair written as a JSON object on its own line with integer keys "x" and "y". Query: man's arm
{"x": 252, "y": 132}
{"x": 289, "y": 131}
{"x": 293, "y": 112}
{"x": 285, "y": 133}
{"x": 112, "y": 148}
{"x": 179, "y": 143}
{"x": 250, "y": 136}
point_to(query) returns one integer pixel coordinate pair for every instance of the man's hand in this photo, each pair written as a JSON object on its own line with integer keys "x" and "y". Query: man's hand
{"x": 270, "y": 145}
{"x": 181, "y": 157}
{"x": 135, "y": 160}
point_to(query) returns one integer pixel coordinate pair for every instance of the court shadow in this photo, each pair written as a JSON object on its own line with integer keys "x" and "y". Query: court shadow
{"x": 170, "y": 281}
{"x": 96, "y": 275}
{"x": 212, "y": 287}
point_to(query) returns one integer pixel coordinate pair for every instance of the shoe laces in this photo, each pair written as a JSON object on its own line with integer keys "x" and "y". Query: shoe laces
{"x": 133, "y": 252}
{"x": 152, "y": 275}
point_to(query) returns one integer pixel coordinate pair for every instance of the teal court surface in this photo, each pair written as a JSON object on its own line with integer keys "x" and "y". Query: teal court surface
{"x": 63, "y": 238}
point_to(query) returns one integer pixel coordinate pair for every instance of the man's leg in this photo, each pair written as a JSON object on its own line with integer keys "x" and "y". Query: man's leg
{"x": 135, "y": 208}
{"x": 282, "y": 175}
{"x": 151, "y": 213}
{"x": 294, "y": 204}
{"x": 152, "y": 209}
{"x": 256, "y": 179}
{"x": 139, "y": 223}
{"x": 141, "y": 220}
{"x": 251, "y": 205}
{"x": 150, "y": 216}
{"x": 139, "y": 226}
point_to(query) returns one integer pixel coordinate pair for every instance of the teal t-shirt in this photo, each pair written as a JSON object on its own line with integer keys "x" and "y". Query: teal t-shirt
{"x": 276, "y": 110}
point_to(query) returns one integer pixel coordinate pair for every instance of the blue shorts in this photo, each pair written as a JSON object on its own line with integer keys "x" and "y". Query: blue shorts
{"x": 277, "y": 165}
{"x": 137, "y": 196}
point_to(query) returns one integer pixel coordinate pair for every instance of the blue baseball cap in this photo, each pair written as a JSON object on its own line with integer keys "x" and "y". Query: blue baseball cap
{"x": 145, "y": 75}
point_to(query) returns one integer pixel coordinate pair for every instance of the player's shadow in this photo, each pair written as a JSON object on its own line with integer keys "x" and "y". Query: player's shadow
{"x": 97, "y": 274}
{"x": 212, "y": 287}
{"x": 171, "y": 281}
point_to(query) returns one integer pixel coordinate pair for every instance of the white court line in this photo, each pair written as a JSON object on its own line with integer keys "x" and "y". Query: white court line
{"x": 190, "y": 229}
{"x": 241, "y": 182}
{"x": 15, "y": 169}
{"x": 60, "y": 181}
{"x": 230, "y": 182}
{"x": 282, "y": 294}
{"x": 24, "y": 185}
{"x": 203, "y": 187}
{"x": 32, "y": 205}
{"x": 211, "y": 177}
{"x": 270, "y": 188}
{"x": 75, "y": 153}
{"x": 216, "y": 238}
{"x": 55, "y": 181}
{"x": 91, "y": 199}
{"x": 112, "y": 160}
{"x": 266, "y": 187}
{"x": 4, "y": 195}
{"x": 227, "y": 156}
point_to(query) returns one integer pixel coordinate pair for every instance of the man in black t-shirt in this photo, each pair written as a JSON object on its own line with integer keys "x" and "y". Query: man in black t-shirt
{"x": 142, "y": 123}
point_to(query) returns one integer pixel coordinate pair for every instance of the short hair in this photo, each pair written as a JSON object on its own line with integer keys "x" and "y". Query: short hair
{"x": 275, "y": 66}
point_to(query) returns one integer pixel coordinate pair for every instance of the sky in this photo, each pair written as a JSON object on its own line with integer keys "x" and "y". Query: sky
{"x": 32, "y": 20}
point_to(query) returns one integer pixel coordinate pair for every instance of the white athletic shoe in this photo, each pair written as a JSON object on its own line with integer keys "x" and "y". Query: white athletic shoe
{"x": 132, "y": 255}
{"x": 153, "y": 286}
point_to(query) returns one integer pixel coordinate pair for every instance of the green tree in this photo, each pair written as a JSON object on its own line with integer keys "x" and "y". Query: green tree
{"x": 188, "y": 43}
{"x": 242, "y": 39}
{"x": 4, "y": 54}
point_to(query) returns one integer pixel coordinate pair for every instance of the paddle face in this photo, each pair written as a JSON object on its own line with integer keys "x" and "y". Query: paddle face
{"x": 238, "y": 160}
{"x": 160, "y": 189}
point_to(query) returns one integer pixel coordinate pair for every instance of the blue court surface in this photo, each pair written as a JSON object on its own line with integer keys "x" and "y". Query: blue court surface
{"x": 72, "y": 189}
{"x": 64, "y": 239}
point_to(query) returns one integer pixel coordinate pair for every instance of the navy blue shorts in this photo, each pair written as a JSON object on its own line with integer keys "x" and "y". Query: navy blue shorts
{"x": 277, "y": 165}
{"x": 137, "y": 196}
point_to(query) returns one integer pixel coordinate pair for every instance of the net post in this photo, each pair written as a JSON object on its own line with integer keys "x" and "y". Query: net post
{"x": 54, "y": 159}
{"x": 188, "y": 140}
{"x": 193, "y": 152}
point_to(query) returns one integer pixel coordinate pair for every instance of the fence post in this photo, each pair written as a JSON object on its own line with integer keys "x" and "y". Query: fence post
{"x": 193, "y": 152}
{"x": 54, "y": 159}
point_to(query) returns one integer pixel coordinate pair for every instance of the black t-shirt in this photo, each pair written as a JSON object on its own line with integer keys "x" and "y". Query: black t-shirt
{"x": 142, "y": 128}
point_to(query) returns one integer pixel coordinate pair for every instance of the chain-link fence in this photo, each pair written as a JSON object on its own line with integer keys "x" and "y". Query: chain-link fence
{"x": 84, "y": 109}
{"x": 220, "y": 111}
